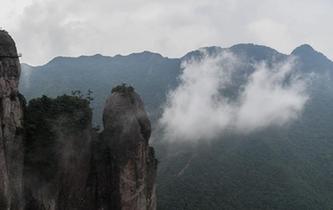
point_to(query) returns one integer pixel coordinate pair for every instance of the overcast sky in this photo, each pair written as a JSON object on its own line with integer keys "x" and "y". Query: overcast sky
{"x": 44, "y": 29}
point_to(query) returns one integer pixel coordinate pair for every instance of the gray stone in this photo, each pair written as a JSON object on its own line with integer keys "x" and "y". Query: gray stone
{"x": 11, "y": 130}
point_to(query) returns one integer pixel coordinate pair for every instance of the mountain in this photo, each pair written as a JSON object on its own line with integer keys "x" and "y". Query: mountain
{"x": 289, "y": 167}
{"x": 150, "y": 73}
{"x": 277, "y": 168}
{"x": 311, "y": 59}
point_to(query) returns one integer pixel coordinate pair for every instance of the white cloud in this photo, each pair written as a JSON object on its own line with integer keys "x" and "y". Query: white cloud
{"x": 268, "y": 99}
{"x": 198, "y": 109}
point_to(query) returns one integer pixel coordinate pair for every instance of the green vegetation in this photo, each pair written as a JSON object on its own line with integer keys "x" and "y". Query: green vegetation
{"x": 124, "y": 88}
{"x": 44, "y": 118}
{"x": 88, "y": 96}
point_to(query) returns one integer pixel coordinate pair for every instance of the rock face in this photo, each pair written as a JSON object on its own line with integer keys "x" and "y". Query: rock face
{"x": 125, "y": 155}
{"x": 52, "y": 159}
{"x": 127, "y": 130}
{"x": 11, "y": 135}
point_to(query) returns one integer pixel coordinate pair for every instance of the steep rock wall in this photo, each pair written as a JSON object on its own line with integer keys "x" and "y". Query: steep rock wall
{"x": 11, "y": 130}
{"x": 125, "y": 137}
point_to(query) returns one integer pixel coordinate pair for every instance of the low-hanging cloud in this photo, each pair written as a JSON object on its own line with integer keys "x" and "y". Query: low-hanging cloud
{"x": 209, "y": 100}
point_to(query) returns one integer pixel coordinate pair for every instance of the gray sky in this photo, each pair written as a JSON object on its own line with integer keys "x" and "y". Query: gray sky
{"x": 44, "y": 29}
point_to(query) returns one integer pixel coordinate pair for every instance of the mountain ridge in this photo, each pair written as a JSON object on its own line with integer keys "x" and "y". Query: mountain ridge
{"x": 209, "y": 48}
{"x": 100, "y": 73}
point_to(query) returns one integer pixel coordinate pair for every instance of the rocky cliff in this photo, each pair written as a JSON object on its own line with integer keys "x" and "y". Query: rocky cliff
{"x": 54, "y": 160}
{"x": 121, "y": 152}
{"x": 126, "y": 134}
{"x": 11, "y": 117}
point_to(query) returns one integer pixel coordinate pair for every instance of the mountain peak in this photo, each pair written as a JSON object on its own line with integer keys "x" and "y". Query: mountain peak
{"x": 307, "y": 51}
{"x": 253, "y": 48}
{"x": 304, "y": 48}
{"x": 312, "y": 59}
{"x": 146, "y": 54}
{"x": 199, "y": 53}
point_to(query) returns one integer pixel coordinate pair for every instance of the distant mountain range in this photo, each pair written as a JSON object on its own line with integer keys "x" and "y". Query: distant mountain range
{"x": 150, "y": 73}
{"x": 276, "y": 168}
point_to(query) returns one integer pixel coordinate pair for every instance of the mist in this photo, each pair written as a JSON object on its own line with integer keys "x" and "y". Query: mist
{"x": 216, "y": 95}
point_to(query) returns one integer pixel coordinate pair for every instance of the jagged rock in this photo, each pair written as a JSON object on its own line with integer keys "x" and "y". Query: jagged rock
{"x": 127, "y": 158}
{"x": 11, "y": 118}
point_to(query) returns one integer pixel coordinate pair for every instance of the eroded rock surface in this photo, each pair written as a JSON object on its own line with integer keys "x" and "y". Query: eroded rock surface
{"x": 11, "y": 130}
{"x": 130, "y": 160}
